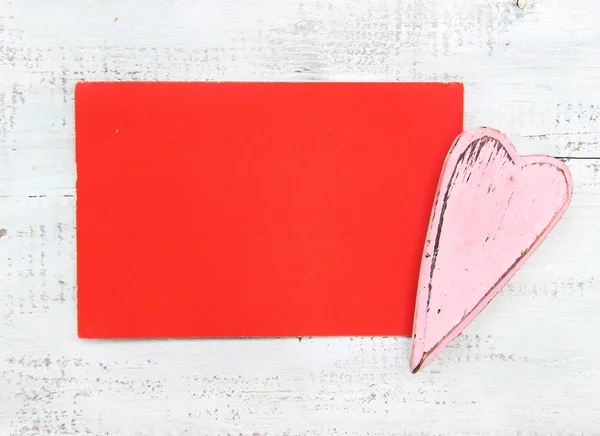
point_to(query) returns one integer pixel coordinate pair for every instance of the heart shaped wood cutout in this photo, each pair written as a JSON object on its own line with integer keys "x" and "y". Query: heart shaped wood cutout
{"x": 492, "y": 210}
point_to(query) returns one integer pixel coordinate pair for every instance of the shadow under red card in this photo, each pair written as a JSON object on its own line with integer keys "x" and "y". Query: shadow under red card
{"x": 255, "y": 209}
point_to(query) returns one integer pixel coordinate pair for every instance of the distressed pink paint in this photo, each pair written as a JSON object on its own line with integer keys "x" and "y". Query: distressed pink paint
{"x": 493, "y": 208}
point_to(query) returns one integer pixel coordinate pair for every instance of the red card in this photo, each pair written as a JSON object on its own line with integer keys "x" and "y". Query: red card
{"x": 255, "y": 209}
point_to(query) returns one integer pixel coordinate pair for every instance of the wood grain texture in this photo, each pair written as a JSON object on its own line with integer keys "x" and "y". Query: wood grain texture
{"x": 492, "y": 210}
{"x": 528, "y": 367}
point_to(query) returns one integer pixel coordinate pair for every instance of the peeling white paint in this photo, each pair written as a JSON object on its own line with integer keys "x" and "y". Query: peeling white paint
{"x": 528, "y": 366}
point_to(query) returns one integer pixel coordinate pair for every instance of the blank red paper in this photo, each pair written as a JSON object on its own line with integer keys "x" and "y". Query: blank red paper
{"x": 255, "y": 209}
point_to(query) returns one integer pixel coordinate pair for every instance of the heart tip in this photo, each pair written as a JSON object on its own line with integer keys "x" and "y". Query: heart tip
{"x": 415, "y": 368}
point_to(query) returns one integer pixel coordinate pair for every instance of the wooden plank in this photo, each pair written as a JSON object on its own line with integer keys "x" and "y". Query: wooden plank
{"x": 526, "y": 358}
{"x": 528, "y": 367}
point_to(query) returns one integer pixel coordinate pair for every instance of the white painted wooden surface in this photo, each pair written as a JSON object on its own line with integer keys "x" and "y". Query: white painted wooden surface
{"x": 529, "y": 365}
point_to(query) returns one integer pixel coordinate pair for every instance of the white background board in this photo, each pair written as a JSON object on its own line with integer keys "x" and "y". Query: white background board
{"x": 529, "y": 365}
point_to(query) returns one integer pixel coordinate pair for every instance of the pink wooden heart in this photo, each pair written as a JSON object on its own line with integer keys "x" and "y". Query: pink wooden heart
{"x": 492, "y": 210}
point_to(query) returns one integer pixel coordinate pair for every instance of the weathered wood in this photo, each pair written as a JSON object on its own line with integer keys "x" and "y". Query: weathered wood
{"x": 493, "y": 208}
{"x": 528, "y": 367}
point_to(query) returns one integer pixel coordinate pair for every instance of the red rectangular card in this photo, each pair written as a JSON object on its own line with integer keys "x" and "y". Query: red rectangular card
{"x": 255, "y": 209}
